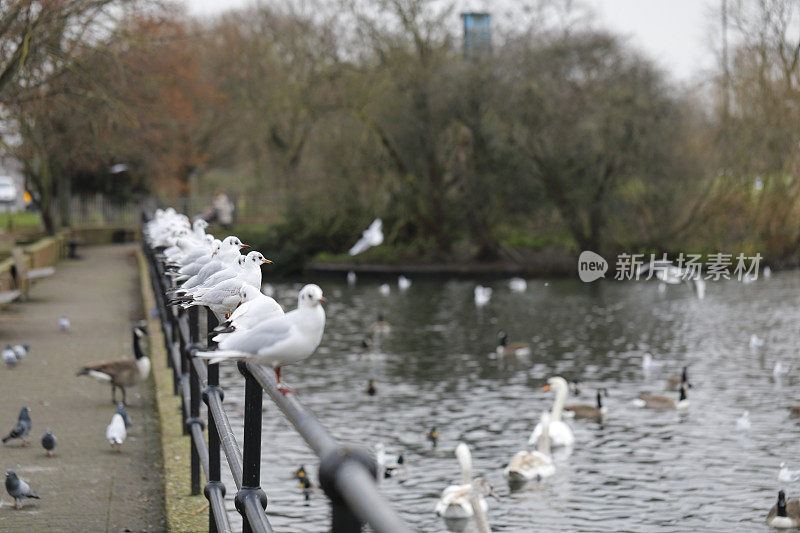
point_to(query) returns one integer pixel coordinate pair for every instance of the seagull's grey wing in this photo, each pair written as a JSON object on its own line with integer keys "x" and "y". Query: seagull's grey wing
{"x": 266, "y": 334}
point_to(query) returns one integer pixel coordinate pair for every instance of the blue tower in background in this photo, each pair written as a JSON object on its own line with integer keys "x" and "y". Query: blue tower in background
{"x": 477, "y": 34}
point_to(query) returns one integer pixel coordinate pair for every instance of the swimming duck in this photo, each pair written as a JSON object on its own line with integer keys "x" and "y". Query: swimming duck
{"x": 794, "y": 411}
{"x": 371, "y": 390}
{"x": 433, "y": 436}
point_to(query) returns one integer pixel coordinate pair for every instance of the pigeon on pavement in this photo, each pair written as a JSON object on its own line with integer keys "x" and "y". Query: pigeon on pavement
{"x": 49, "y": 442}
{"x": 22, "y": 428}
{"x": 18, "y": 489}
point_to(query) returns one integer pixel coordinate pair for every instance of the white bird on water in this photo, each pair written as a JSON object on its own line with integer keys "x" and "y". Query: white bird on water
{"x": 756, "y": 343}
{"x": 403, "y": 283}
{"x": 482, "y": 295}
{"x": 277, "y": 341}
{"x": 455, "y": 502}
{"x": 351, "y": 278}
{"x": 787, "y": 476}
{"x": 743, "y": 422}
{"x": 518, "y": 285}
{"x": 560, "y": 433}
{"x": 372, "y": 236}
{"x": 778, "y": 371}
{"x": 385, "y": 289}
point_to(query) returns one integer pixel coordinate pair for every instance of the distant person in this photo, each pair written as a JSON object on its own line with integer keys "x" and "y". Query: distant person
{"x": 223, "y": 209}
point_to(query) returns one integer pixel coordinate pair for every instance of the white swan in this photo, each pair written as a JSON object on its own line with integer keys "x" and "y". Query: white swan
{"x": 526, "y": 466}
{"x": 560, "y": 432}
{"x": 455, "y": 500}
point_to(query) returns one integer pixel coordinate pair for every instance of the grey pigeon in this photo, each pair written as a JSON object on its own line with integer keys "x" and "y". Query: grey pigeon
{"x": 9, "y": 357}
{"x": 18, "y": 489}
{"x": 49, "y": 442}
{"x": 22, "y": 428}
{"x": 124, "y": 414}
{"x": 21, "y": 350}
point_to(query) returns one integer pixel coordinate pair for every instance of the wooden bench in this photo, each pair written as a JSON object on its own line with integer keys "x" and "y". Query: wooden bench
{"x": 25, "y": 276}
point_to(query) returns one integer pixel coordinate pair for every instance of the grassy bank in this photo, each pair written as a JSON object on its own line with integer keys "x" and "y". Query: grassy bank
{"x": 185, "y": 513}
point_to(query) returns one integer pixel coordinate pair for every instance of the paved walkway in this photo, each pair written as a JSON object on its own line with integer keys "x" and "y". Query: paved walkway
{"x": 86, "y": 487}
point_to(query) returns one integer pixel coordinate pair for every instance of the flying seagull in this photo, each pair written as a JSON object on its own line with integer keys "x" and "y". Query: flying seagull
{"x": 372, "y": 236}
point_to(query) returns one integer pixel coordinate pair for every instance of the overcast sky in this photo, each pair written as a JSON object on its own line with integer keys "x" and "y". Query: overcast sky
{"x": 677, "y": 34}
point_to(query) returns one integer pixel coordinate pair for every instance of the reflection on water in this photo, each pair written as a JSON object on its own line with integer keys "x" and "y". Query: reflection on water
{"x": 640, "y": 470}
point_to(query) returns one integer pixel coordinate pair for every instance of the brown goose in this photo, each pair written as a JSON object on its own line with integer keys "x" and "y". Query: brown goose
{"x": 588, "y": 411}
{"x": 504, "y": 348}
{"x": 653, "y": 401}
{"x": 794, "y": 411}
{"x": 121, "y": 372}
{"x": 675, "y": 381}
{"x": 784, "y": 514}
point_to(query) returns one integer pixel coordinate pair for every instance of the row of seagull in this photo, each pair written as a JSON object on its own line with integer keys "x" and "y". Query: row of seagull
{"x": 214, "y": 273}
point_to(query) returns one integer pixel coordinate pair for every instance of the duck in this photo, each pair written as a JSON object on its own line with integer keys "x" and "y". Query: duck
{"x": 653, "y": 401}
{"x": 381, "y": 326}
{"x": 675, "y": 381}
{"x": 785, "y": 514}
{"x": 588, "y": 411}
{"x": 301, "y": 473}
{"x": 433, "y": 436}
{"x": 371, "y": 390}
{"x": 121, "y": 373}
{"x": 794, "y": 411}
{"x": 536, "y": 465}
{"x": 366, "y": 347}
{"x": 518, "y": 349}
{"x": 455, "y": 500}
{"x": 560, "y": 432}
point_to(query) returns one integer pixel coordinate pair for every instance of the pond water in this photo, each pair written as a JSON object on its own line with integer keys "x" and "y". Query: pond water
{"x": 640, "y": 470}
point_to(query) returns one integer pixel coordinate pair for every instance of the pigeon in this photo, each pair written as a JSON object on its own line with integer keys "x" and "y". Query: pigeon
{"x": 63, "y": 323}
{"x": 22, "y": 428}
{"x": 49, "y": 442}
{"x": 403, "y": 283}
{"x": 372, "y": 236}
{"x": 18, "y": 489}
{"x": 124, "y": 414}
{"x": 121, "y": 372}
{"x": 280, "y": 340}
{"x": 9, "y": 357}
{"x": 21, "y": 350}
{"x": 115, "y": 432}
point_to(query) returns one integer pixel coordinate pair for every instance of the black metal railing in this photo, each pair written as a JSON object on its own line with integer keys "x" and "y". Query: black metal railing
{"x": 346, "y": 474}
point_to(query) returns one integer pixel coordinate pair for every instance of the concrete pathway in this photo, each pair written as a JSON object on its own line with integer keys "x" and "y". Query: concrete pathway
{"x": 86, "y": 487}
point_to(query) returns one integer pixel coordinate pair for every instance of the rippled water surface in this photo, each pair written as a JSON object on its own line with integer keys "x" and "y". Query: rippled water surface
{"x": 641, "y": 470}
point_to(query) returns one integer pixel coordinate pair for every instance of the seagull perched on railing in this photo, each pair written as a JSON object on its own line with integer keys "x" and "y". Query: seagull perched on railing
{"x": 255, "y": 308}
{"x": 277, "y": 341}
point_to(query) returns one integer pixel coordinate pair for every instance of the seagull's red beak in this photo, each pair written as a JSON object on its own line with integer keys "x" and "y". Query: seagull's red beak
{"x": 245, "y": 246}
{"x": 267, "y": 261}
{"x": 322, "y": 300}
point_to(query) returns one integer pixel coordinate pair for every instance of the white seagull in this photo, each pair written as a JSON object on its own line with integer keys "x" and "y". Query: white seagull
{"x": 280, "y": 340}
{"x": 116, "y": 433}
{"x": 372, "y": 236}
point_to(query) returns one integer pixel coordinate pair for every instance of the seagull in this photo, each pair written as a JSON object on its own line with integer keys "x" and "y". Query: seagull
{"x": 63, "y": 323}
{"x": 482, "y": 295}
{"x": 403, "y": 283}
{"x": 23, "y": 427}
{"x": 518, "y": 285}
{"x": 280, "y": 340}
{"x": 649, "y": 364}
{"x": 778, "y": 371}
{"x": 743, "y": 422}
{"x": 669, "y": 274}
{"x": 124, "y": 414}
{"x": 255, "y": 308}
{"x": 787, "y": 476}
{"x": 372, "y": 236}
{"x": 223, "y": 298}
{"x": 385, "y": 289}
{"x": 767, "y": 272}
{"x": 121, "y": 372}
{"x": 756, "y": 343}
{"x": 18, "y": 489}
{"x": 9, "y": 357}
{"x": 115, "y": 432}
{"x": 351, "y": 278}
{"x": 49, "y": 442}
{"x": 21, "y": 350}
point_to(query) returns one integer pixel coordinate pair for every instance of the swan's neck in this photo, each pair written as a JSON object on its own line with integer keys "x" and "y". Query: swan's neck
{"x": 465, "y": 461}
{"x": 543, "y": 446}
{"x": 558, "y": 405}
{"x": 480, "y": 517}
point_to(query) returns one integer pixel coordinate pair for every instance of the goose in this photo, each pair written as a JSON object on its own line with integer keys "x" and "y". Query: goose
{"x": 526, "y": 465}
{"x": 794, "y": 411}
{"x": 652, "y": 401}
{"x": 455, "y": 500}
{"x": 518, "y": 349}
{"x": 121, "y": 372}
{"x": 588, "y": 411}
{"x": 675, "y": 381}
{"x": 784, "y": 514}
{"x": 560, "y": 432}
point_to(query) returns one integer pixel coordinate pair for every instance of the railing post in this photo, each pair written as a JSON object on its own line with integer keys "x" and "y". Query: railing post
{"x": 214, "y": 467}
{"x": 343, "y": 520}
{"x": 251, "y": 461}
{"x": 194, "y": 395}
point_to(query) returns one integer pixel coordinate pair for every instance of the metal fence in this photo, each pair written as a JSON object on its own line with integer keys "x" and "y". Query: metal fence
{"x": 346, "y": 474}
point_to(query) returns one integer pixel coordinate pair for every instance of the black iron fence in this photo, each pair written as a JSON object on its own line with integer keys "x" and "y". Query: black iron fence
{"x": 346, "y": 474}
